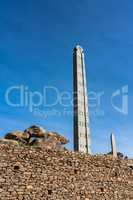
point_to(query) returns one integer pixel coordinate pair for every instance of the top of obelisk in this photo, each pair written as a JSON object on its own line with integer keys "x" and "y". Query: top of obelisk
{"x": 78, "y": 47}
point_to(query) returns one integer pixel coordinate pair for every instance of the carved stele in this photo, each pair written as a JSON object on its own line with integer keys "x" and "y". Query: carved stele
{"x": 82, "y": 140}
{"x": 113, "y": 145}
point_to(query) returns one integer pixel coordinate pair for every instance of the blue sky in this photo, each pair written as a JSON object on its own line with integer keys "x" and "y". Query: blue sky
{"x": 36, "y": 42}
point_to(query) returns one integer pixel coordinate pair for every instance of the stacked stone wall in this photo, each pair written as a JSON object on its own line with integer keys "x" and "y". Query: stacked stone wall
{"x": 41, "y": 174}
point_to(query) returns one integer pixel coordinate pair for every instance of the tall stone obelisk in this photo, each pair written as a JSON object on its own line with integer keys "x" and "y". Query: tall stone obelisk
{"x": 81, "y": 121}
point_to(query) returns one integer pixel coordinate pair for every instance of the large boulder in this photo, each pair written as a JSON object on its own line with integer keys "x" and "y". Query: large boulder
{"x": 36, "y": 131}
{"x": 57, "y": 137}
{"x": 18, "y": 136}
{"x": 6, "y": 141}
